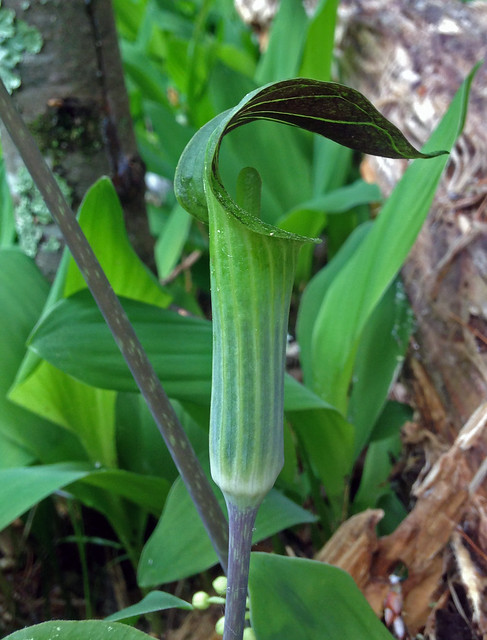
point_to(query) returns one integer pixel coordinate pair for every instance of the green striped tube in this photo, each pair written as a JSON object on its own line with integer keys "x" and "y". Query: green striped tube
{"x": 251, "y": 282}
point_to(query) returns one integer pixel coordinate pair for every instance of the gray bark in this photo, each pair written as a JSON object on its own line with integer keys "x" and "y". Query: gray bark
{"x": 72, "y": 96}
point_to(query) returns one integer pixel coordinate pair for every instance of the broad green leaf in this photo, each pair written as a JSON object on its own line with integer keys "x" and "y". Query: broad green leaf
{"x": 74, "y": 337}
{"x": 13, "y": 455}
{"x": 315, "y": 293}
{"x": 307, "y": 600}
{"x": 375, "y": 480}
{"x": 393, "y": 416}
{"x": 329, "y": 109}
{"x": 340, "y": 200}
{"x": 153, "y": 601}
{"x": 23, "y": 292}
{"x": 148, "y": 492}
{"x": 331, "y": 165}
{"x": 310, "y": 216}
{"x": 179, "y": 546}
{"x": 380, "y": 354}
{"x": 44, "y": 389}
{"x": 78, "y": 630}
{"x": 22, "y": 488}
{"x": 101, "y": 218}
{"x": 179, "y": 347}
{"x": 361, "y": 283}
{"x": 381, "y": 453}
{"x": 129, "y": 16}
{"x": 139, "y": 444}
{"x": 86, "y": 412}
{"x": 172, "y": 136}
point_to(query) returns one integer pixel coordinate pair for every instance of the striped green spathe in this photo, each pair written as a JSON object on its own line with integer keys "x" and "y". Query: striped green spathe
{"x": 251, "y": 281}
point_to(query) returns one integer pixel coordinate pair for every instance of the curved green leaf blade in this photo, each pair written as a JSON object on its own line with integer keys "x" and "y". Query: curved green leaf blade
{"x": 78, "y": 630}
{"x": 153, "y": 601}
{"x": 22, "y": 488}
{"x": 306, "y": 600}
{"x": 362, "y": 281}
{"x": 73, "y": 337}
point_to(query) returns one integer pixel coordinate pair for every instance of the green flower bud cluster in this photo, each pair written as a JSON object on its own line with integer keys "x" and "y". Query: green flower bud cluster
{"x": 202, "y": 600}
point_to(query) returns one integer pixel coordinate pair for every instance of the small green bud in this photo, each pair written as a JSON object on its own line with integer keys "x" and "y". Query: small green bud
{"x": 201, "y": 600}
{"x": 249, "y": 634}
{"x": 220, "y": 625}
{"x": 220, "y": 585}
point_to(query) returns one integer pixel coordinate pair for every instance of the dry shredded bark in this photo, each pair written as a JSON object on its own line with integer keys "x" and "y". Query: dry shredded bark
{"x": 451, "y": 502}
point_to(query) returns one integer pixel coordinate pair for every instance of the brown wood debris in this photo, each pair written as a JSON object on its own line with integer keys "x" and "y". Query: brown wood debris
{"x": 432, "y": 542}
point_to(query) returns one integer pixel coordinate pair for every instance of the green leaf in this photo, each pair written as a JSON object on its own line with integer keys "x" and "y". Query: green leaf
{"x": 359, "y": 286}
{"x": 86, "y": 412}
{"x": 393, "y": 416}
{"x": 22, "y": 488}
{"x": 148, "y": 492}
{"x": 380, "y": 354}
{"x": 286, "y": 42}
{"x": 320, "y": 40}
{"x": 7, "y": 224}
{"x": 171, "y": 241}
{"x": 74, "y": 338}
{"x": 163, "y": 123}
{"x": 315, "y": 293}
{"x": 339, "y": 200}
{"x": 306, "y": 600}
{"x": 24, "y": 436}
{"x": 143, "y": 73}
{"x": 101, "y": 217}
{"x": 153, "y": 601}
{"x": 374, "y": 482}
{"x": 179, "y": 546}
{"x": 78, "y": 630}
{"x": 328, "y": 439}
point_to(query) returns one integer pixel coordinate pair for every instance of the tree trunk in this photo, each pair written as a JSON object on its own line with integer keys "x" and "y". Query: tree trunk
{"x": 72, "y": 96}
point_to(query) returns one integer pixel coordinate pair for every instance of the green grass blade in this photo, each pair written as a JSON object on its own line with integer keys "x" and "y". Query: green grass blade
{"x": 358, "y": 287}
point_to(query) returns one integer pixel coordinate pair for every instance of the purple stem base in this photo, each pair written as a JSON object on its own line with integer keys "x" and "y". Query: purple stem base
{"x": 241, "y": 525}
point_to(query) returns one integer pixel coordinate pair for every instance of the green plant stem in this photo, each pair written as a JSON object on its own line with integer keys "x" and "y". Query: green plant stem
{"x": 77, "y": 523}
{"x": 127, "y": 341}
{"x": 241, "y": 525}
